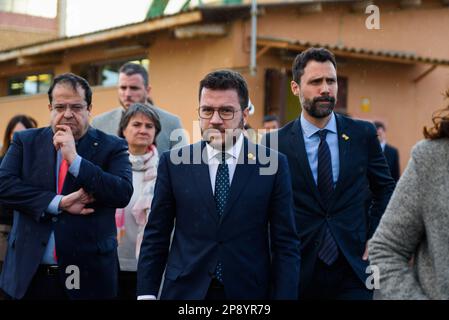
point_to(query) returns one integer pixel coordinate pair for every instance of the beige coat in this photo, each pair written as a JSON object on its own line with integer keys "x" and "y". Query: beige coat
{"x": 416, "y": 222}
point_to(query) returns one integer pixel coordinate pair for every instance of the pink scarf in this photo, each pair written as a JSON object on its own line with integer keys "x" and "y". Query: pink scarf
{"x": 141, "y": 209}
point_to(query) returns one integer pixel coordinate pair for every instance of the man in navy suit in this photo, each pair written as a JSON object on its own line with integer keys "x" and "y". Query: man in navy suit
{"x": 390, "y": 152}
{"x": 335, "y": 162}
{"x": 230, "y": 203}
{"x": 63, "y": 240}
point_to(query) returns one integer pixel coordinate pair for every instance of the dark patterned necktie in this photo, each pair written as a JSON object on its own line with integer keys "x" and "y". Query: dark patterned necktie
{"x": 222, "y": 187}
{"x": 328, "y": 251}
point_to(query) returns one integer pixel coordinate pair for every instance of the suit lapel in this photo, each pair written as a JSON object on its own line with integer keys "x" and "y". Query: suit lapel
{"x": 47, "y": 152}
{"x": 86, "y": 148}
{"x": 88, "y": 144}
{"x": 242, "y": 173}
{"x": 200, "y": 172}
{"x": 297, "y": 139}
{"x": 344, "y": 143}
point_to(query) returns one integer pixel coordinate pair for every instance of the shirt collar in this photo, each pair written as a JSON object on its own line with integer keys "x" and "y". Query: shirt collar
{"x": 234, "y": 151}
{"x": 310, "y": 129}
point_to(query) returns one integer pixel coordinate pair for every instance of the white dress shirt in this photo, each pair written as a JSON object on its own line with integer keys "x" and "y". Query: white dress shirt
{"x": 213, "y": 162}
{"x": 232, "y": 158}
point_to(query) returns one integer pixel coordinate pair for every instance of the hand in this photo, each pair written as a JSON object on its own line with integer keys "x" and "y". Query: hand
{"x": 75, "y": 202}
{"x": 63, "y": 139}
{"x": 365, "y": 254}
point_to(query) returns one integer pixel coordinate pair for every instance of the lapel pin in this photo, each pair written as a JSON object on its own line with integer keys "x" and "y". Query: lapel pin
{"x": 95, "y": 144}
{"x": 344, "y": 136}
{"x": 251, "y": 156}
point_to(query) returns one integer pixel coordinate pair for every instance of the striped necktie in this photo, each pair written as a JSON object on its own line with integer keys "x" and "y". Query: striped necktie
{"x": 328, "y": 251}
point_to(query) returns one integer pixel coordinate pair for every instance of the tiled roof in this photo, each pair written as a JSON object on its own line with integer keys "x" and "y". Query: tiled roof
{"x": 385, "y": 55}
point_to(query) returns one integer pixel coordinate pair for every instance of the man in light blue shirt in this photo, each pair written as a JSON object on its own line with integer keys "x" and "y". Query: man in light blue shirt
{"x": 336, "y": 163}
{"x": 312, "y": 141}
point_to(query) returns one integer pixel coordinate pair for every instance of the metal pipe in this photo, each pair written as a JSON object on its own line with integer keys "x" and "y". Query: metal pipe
{"x": 253, "y": 62}
{"x": 62, "y": 17}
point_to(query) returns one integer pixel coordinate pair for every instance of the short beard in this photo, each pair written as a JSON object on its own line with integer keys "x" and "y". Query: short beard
{"x": 230, "y": 138}
{"x": 314, "y": 110}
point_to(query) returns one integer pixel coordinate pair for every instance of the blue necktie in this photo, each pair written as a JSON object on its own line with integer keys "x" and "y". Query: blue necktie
{"x": 328, "y": 251}
{"x": 222, "y": 187}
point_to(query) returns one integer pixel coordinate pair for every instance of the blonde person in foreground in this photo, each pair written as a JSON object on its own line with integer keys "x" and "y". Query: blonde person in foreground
{"x": 410, "y": 246}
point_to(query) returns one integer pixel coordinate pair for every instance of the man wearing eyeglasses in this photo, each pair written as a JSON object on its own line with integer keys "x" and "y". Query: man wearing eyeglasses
{"x": 234, "y": 235}
{"x": 64, "y": 183}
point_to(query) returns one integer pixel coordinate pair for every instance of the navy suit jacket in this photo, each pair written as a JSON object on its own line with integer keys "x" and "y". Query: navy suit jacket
{"x": 362, "y": 168}
{"x": 255, "y": 238}
{"x": 392, "y": 156}
{"x": 28, "y": 183}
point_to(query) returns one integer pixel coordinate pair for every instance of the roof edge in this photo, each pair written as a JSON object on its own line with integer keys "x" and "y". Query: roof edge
{"x": 103, "y": 35}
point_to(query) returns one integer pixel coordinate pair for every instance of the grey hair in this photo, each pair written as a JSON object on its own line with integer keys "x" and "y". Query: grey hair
{"x": 139, "y": 108}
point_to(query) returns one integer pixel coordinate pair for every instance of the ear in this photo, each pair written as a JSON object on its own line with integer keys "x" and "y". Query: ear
{"x": 245, "y": 115}
{"x": 149, "y": 91}
{"x": 49, "y": 107}
{"x": 296, "y": 89}
{"x": 89, "y": 108}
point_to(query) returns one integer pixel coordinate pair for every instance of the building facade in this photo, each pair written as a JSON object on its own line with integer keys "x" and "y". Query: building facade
{"x": 395, "y": 73}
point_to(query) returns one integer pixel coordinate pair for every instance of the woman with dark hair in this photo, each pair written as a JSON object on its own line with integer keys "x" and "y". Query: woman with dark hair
{"x": 17, "y": 123}
{"x": 140, "y": 126}
{"x": 416, "y": 223}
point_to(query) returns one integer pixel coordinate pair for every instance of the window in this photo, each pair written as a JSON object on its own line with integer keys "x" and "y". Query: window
{"x": 105, "y": 73}
{"x": 342, "y": 96}
{"x": 29, "y": 84}
{"x": 279, "y": 99}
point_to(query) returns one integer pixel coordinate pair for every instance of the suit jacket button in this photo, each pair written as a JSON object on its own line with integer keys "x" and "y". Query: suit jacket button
{"x": 220, "y": 242}
{"x": 328, "y": 216}
{"x": 54, "y": 219}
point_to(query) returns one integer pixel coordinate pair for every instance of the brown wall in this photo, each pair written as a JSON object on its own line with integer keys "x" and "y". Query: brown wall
{"x": 13, "y": 38}
{"x": 417, "y": 31}
{"x": 20, "y": 29}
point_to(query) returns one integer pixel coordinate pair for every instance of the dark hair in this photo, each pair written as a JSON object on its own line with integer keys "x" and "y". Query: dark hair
{"x": 270, "y": 117}
{"x": 440, "y": 120}
{"x": 315, "y": 54}
{"x": 28, "y": 123}
{"x": 140, "y": 108}
{"x": 379, "y": 125}
{"x": 225, "y": 80}
{"x": 131, "y": 68}
{"x": 74, "y": 81}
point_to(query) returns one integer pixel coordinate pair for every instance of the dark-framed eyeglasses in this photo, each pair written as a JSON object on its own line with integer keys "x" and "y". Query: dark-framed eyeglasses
{"x": 225, "y": 113}
{"x": 61, "y": 107}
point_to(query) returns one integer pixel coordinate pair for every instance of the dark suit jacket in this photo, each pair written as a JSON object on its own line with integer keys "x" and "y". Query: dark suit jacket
{"x": 392, "y": 156}
{"x": 28, "y": 183}
{"x": 6, "y": 214}
{"x": 362, "y": 168}
{"x": 258, "y": 211}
